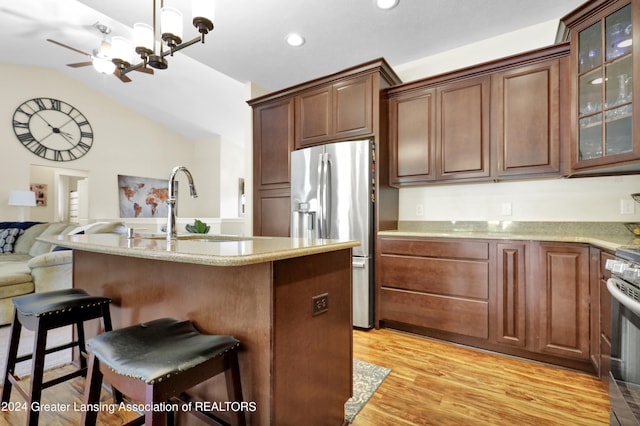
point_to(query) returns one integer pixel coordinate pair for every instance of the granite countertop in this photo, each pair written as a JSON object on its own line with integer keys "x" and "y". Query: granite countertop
{"x": 214, "y": 250}
{"x": 604, "y": 235}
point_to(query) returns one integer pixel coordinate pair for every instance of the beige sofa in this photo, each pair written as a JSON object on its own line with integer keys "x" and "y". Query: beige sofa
{"x": 35, "y": 266}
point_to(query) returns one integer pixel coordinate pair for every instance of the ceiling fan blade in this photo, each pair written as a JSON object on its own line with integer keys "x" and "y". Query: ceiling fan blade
{"x": 68, "y": 47}
{"x": 80, "y": 64}
{"x": 145, "y": 70}
{"x": 123, "y": 78}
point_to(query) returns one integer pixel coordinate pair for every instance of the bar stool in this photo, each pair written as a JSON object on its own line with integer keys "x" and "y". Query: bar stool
{"x": 41, "y": 312}
{"x": 156, "y": 362}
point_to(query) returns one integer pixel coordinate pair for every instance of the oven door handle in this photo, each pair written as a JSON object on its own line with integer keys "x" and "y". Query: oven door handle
{"x": 621, "y": 297}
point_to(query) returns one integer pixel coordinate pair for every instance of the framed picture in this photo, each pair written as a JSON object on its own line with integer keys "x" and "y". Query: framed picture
{"x": 141, "y": 197}
{"x": 41, "y": 193}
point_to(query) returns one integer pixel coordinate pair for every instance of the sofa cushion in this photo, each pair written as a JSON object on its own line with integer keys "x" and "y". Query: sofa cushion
{"x": 14, "y": 290}
{"x": 19, "y": 225}
{"x": 26, "y": 240}
{"x": 40, "y": 247}
{"x": 8, "y": 239}
{"x": 14, "y": 270}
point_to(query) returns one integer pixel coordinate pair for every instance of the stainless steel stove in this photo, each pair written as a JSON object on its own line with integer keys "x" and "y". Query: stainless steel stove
{"x": 624, "y": 377}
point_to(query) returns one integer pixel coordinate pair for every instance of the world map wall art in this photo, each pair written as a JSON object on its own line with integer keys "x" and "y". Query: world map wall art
{"x": 141, "y": 197}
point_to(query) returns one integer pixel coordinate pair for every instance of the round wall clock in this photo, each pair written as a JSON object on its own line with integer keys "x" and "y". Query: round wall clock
{"x": 52, "y": 129}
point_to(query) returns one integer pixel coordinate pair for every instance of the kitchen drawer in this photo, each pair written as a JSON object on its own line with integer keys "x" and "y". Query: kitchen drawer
{"x": 462, "y": 278}
{"x": 451, "y": 314}
{"x": 435, "y": 248}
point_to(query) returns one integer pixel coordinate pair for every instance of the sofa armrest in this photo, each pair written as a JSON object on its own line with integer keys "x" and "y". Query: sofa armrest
{"x": 52, "y": 271}
{"x": 51, "y": 259}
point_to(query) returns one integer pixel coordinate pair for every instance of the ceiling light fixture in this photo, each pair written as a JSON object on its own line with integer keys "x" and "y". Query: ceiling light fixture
{"x": 387, "y": 4}
{"x": 295, "y": 40}
{"x": 170, "y": 36}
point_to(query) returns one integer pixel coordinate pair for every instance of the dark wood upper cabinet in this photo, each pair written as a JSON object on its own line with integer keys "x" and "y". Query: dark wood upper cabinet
{"x": 412, "y": 120}
{"x": 314, "y": 121}
{"x": 353, "y": 107}
{"x": 499, "y": 120}
{"x": 462, "y": 130}
{"x": 525, "y": 129}
{"x": 605, "y": 74}
{"x": 272, "y": 142}
{"x": 338, "y": 111}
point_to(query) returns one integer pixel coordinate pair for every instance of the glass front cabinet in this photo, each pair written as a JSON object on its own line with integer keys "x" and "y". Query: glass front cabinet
{"x": 605, "y": 42}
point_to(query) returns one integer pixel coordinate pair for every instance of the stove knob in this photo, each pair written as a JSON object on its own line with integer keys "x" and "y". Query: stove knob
{"x": 630, "y": 273}
{"x": 618, "y": 266}
{"x": 609, "y": 264}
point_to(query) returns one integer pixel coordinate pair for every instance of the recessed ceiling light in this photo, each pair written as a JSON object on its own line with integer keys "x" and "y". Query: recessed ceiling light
{"x": 387, "y": 4}
{"x": 294, "y": 40}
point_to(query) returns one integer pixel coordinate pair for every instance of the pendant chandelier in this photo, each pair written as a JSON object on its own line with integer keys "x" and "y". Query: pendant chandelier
{"x": 168, "y": 29}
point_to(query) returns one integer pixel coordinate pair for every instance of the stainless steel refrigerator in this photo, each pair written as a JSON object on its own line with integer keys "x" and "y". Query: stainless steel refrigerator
{"x": 332, "y": 197}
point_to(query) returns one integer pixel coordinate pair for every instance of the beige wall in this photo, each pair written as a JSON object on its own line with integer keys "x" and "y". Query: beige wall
{"x": 578, "y": 199}
{"x": 125, "y": 142}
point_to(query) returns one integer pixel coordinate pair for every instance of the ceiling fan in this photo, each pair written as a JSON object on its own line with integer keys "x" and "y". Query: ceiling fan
{"x": 100, "y": 58}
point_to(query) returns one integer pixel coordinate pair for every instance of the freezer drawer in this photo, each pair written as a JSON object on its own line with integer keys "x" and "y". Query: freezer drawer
{"x": 362, "y": 292}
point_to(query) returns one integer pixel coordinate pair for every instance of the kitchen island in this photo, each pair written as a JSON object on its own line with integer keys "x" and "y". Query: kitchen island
{"x": 295, "y": 363}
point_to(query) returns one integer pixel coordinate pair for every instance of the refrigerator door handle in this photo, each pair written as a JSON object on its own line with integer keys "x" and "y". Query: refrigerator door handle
{"x": 319, "y": 195}
{"x": 323, "y": 202}
{"x": 358, "y": 263}
{"x": 328, "y": 195}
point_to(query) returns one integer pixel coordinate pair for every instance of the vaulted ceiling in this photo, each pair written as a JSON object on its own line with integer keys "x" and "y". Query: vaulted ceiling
{"x": 202, "y": 92}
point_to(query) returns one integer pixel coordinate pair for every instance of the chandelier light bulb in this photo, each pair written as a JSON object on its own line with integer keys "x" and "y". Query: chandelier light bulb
{"x": 121, "y": 49}
{"x": 203, "y": 9}
{"x": 171, "y": 25}
{"x": 203, "y": 12}
{"x": 143, "y": 38}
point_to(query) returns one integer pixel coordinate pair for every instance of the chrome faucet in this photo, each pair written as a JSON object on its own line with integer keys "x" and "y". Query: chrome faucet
{"x": 172, "y": 233}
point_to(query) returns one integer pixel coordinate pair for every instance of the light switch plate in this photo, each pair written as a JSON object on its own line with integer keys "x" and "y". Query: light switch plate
{"x": 627, "y": 207}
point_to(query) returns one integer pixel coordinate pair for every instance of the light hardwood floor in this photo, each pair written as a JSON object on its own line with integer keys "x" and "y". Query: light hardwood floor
{"x": 431, "y": 383}
{"x": 437, "y": 383}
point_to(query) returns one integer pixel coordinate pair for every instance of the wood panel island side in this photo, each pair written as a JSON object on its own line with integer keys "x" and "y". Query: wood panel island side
{"x": 296, "y": 366}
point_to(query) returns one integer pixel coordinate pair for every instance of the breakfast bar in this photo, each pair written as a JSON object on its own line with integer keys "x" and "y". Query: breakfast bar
{"x": 296, "y": 356}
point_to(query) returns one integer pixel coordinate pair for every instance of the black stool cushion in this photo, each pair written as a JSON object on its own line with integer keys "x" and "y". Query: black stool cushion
{"x": 158, "y": 349}
{"x": 51, "y": 302}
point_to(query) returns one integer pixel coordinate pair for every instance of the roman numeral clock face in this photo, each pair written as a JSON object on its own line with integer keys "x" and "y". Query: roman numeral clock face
{"x": 52, "y": 129}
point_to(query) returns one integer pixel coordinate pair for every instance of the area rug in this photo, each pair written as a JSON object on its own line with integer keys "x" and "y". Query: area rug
{"x": 366, "y": 379}
{"x": 55, "y": 337}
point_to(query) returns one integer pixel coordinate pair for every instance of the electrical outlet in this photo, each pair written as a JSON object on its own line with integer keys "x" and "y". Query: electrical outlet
{"x": 627, "y": 207}
{"x": 320, "y": 304}
{"x": 419, "y": 210}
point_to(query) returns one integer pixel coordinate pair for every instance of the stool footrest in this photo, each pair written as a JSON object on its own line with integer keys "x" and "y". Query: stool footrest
{"x": 48, "y": 351}
{"x": 72, "y": 375}
{"x": 16, "y": 385}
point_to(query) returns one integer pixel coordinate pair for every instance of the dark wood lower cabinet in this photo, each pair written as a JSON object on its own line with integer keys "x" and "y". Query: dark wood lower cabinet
{"x": 563, "y": 280}
{"x": 523, "y": 298}
{"x": 435, "y": 284}
{"x": 511, "y": 298}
